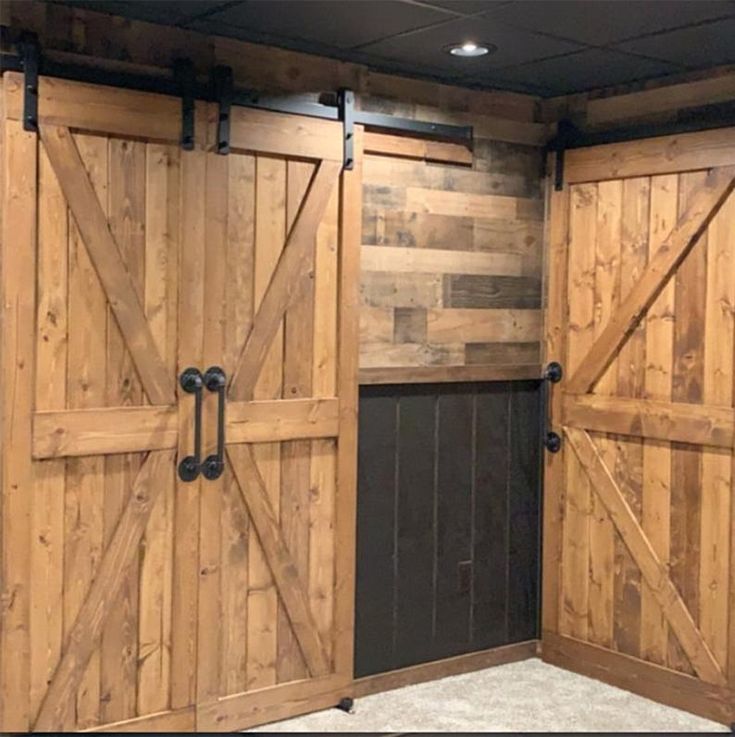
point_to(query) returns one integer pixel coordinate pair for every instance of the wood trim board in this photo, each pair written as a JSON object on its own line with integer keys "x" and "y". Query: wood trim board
{"x": 651, "y": 681}
{"x": 457, "y": 665}
{"x": 438, "y": 374}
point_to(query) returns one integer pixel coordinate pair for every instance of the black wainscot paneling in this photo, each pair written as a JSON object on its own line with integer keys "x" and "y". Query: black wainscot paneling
{"x": 448, "y": 521}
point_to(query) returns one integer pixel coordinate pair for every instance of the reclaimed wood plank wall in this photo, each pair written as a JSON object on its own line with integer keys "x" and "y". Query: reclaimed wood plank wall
{"x": 451, "y": 259}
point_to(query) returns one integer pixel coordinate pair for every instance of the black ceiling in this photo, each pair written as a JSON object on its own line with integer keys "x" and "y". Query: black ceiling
{"x": 547, "y": 47}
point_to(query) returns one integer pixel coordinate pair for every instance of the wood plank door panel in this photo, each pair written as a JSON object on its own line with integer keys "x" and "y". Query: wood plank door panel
{"x": 640, "y": 511}
{"x": 104, "y": 616}
{"x": 274, "y": 526}
{"x": 131, "y": 599}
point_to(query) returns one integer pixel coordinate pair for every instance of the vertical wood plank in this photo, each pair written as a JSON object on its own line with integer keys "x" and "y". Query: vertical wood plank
{"x": 555, "y": 330}
{"x": 716, "y": 480}
{"x": 350, "y": 229}
{"x": 687, "y": 386}
{"x": 19, "y": 191}
{"x": 295, "y": 456}
{"x": 491, "y": 519}
{"x": 126, "y": 211}
{"x": 235, "y": 522}
{"x": 374, "y": 602}
{"x": 47, "y": 553}
{"x": 523, "y": 512}
{"x": 631, "y": 367}
{"x": 210, "y": 500}
{"x": 414, "y": 621}
{"x": 263, "y": 605}
{"x": 454, "y": 509}
{"x": 576, "y": 530}
{"x": 160, "y": 301}
{"x": 656, "y": 499}
{"x": 607, "y": 298}
{"x": 186, "y": 505}
{"x": 322, "y": 507}
{"x": 84, "y": 513}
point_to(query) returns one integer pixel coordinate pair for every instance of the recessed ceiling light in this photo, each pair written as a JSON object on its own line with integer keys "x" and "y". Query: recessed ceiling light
{"x": 470, "y": 49}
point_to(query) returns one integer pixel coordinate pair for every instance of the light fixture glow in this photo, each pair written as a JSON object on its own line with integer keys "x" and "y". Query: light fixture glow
{"x": 470, "y": 49}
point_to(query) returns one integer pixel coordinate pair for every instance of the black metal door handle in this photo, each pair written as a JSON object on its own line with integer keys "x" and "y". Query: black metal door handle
{"x": 216, "y": 381}
{"x": 552, "y": 375}
{"x": 191, "y": 382}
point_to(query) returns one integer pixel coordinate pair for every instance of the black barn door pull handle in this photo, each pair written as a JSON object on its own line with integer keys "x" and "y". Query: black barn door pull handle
{"x": 552, "y": 375}
{"x": 191, "y": 382}
{"x": 216, "y": 381}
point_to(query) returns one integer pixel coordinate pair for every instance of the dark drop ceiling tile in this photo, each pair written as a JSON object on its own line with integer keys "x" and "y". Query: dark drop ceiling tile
{"x": 466, "y": 7}
{"x": 585, "y": 70}
{"x": 697, "y": 46}
{"x": 339, "y": 24}
{"x": 602, "y": 22}
{"x": 169, "y": 12}
{"x": 427, "y": 47}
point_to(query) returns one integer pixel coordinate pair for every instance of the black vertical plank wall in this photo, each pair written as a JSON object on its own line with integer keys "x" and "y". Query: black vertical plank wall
{"x": 448, "y": 521}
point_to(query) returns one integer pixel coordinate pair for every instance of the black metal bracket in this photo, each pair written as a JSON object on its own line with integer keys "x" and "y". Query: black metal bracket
{"x": 566, "y": 134}
{"x": 346, "y": 107}
{"x": 553, "y": 374}
{"x": 191, "y": 382}
{"x": 186, "y": 79}
{"x": 347, "y": 704}
{"x": 222, "y": 85}
{"x": 31, "y": 55}
{"x": 216, "y": 381}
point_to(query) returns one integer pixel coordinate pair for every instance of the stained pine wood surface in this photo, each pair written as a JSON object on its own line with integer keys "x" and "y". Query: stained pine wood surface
{"x": 138, "y": 600}
{"x": 645, "y": 497}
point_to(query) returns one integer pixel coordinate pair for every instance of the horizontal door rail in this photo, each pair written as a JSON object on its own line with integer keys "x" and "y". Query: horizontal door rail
{"x": 282, "y": 419}
{"x": 696, "y": 424}
{"x": 100, "y": 431}
{"x": 103, "y": 431}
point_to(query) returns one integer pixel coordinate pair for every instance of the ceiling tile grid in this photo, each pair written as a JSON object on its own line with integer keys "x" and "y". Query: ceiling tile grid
{"x": 547, "y": 47}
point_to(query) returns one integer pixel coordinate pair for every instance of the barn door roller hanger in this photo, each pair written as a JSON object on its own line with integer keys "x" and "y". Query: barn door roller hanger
{"x": 183, "y": 83}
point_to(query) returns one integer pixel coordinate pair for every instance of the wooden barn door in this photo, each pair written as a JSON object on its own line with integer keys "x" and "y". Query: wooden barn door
{"x": 277, "y": 528}
{"x": 132, "y": 599}
{"x": 639, "y": 549}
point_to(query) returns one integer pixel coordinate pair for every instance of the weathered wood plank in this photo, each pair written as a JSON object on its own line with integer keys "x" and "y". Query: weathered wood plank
{"x": 439, "y": 261}
{"x": 386, "y": 144}
{"x": 491, "y": 292}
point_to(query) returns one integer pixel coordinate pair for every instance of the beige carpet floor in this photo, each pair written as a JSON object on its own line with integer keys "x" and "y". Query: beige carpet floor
{"x": 529, "y": 696}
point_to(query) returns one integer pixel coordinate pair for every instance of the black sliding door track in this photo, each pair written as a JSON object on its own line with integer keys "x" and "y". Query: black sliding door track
{"x": 171, "y": 85}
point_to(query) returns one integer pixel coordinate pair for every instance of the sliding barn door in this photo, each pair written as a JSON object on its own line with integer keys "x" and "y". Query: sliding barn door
{"x": 131, "y": 598}
{"x": 277, "y": 526}
{"x": 640, "y": 503}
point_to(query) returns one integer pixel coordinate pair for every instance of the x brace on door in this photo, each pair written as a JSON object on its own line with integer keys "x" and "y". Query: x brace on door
{"x": 183, "y": 83}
